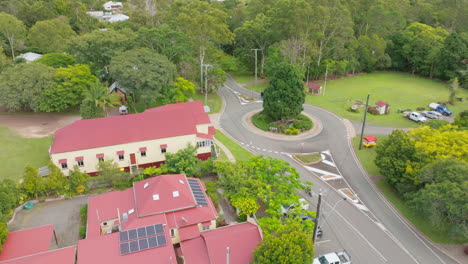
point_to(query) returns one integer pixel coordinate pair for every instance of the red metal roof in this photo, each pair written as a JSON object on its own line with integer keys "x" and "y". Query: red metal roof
{"x": 163, "y": 186}
{"x": 58, "y": 256}
{"x": 105, "y": 249}
{"x": 205, "y": 136}
{"x": 211, "y": 130}
{"x": 160, "y": 122}
{"x": 27, "y": 242}
{"x": 370, "y": 138}
{"x": 381, "y": 103}
{"x": 189, "y": 232}
{"x": 194, "y": 251}
{"x": 315, "y": 86}
{"x": 241, "y": 239}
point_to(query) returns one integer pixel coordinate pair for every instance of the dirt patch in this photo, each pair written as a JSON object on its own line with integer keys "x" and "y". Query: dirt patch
{"x": 37, "y": 125}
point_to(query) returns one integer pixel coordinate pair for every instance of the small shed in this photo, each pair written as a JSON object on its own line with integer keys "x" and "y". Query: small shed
{"x": 369, "y": 141}
{"x": 382, "y": 107}
{"x": 119, "y": 90}
{"x": 29, "y": 56}
{"x": 314, "y": 88}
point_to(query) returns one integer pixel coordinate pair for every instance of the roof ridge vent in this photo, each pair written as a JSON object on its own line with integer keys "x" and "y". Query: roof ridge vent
{"x": 175, "y": 194}
{"x": 155, "y": 197}
{"x": 146, "y": 185}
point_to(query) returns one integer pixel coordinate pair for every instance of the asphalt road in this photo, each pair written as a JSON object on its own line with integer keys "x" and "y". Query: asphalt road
{"x": 375, "y": 236}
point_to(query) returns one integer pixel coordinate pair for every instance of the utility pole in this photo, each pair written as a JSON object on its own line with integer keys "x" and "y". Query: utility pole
{"x": 364, "y": 122}
{"x": 314, "y": 236}
{"x": 256, "y": 50}
{"x": 206, "y": 82}
{"x": 325, "y": 85}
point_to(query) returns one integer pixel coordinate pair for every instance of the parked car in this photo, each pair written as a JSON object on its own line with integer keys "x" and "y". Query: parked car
{"x": 440, "y": 108}
{"x": 333, "y": 258}
{"x": 432, "y": 114}
{"x": 415, "y": 116}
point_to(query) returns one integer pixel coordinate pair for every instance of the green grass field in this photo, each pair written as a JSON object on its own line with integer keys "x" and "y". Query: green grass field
{"x": 400, "y": 90}
{"x": 260, "y": 87}
{"x": 17, "y": 152}
{"x": 367, "y": 157}
{"x": 243, "y": 76}
{"x": 214, "y": 101}
{"x": 237, "y": 151}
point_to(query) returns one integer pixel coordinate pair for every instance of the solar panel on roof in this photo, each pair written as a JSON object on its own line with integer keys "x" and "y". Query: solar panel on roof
{"x": 150, "y": 230}
{"x": 132, "y": 234}
{"x": 161, "y": 240}
{"x": 152, "y": 242}
{"x": 124, "y": 248}
{"x": 134, "y": 246}
{"x": 159, "y": 228}
{"x": 197, "y": 192}
{"x": 143, "y": 243}
{"x": 123, "y": 236}
{"x": 142, "y": 232}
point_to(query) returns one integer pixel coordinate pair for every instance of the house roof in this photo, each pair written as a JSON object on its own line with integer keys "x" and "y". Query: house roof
{"x": 118, "y": 18}
{"x": 194, "y": 251}
{"x": 164, "y": 193}
{"x": 189, "y": 232}
{"x": 381, "y": 103}
{"x": 117, "y": 86}
{"x": 370, "y": 138}
{"x": 205, "y": 136}
{"x": 315, "y": 86}
{"x": 20, "y": 244}
{"x": 105, "y": 249}
{"x": 30, "y": 56}
{"x": 242, "y": 239}
{"x": 58, "y": 256}
{"x": 160, "y": 122}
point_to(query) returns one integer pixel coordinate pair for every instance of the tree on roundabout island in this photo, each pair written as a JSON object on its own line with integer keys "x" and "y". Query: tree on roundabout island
{"x": 284, "y": 96}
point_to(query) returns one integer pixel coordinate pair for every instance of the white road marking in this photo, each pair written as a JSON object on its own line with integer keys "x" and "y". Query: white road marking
{"x": 321, "y": 171}
{"x": 276, "y": 152}
{"x": 325, "y": 241}
{"x": 361, "y": 207}
{"x": 328, "y": 163}
{"x": 242, "y": 143}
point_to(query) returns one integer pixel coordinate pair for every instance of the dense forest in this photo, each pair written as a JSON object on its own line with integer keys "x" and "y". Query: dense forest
{"x": 174, "y": 38}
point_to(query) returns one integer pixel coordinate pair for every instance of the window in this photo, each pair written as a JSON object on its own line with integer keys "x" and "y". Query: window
{"x": 121, "y": 157}
{"x": 64, "y": 166}
{"x": 143, "y": 153}
{"x": 100, "y": 159}
{"x": 172, "y": 232}
{"x": 204, "y": 143}
{"x": 163, "y": 150}
{"x": 80, "y": 163}
{"x": 206, "y": 227}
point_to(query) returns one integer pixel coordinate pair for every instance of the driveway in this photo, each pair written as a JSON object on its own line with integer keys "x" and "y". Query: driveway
{"x": 64, "y": 215}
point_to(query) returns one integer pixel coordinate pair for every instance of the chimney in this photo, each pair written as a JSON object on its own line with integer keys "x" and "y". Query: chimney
{"x": 227, "y": 255}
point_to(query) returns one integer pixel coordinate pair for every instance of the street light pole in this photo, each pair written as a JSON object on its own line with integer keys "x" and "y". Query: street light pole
{"x": 256, "y": 50}
{"x": 364, "y": 121}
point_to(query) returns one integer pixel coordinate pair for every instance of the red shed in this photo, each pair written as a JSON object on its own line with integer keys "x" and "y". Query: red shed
{"x": 314, "y": 88}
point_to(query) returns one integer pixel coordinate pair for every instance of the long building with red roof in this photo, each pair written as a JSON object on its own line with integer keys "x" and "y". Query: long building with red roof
{"x": 133, "y": 141}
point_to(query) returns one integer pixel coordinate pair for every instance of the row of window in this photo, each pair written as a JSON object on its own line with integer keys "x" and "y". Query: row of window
{"x": 80, "y": 163}
{"x": 204, "y": 143}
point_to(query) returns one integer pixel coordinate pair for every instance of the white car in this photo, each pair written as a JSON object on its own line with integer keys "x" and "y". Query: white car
{"x": 432, "y": 114}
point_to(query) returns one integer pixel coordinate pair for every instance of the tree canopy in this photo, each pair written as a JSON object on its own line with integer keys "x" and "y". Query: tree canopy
{"x": 50, "y": 35}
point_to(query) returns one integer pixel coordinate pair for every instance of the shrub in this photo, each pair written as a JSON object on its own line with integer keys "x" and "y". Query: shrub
{"x": 84, "y": 214}
{"x": 292, "y": 131}
{"x": 212, "y": 192}
{"x": 373, "y": 110}
{"x": 83, "y": 231}
{"x": 303, "y": 123}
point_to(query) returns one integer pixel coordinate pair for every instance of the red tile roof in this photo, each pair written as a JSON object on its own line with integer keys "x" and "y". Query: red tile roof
{"x": 20, "y": 243}
{"x": 242, "y": 240}
{"x": 315, "y": 86}
{"x": 164, "y": 186}
{"x": 58, "y": 256}
{"x": 160, "y": 122}
{"x": 194, "y": 251}
{"x": 105, "y": 249}
{"x": 189, "y": 232}
{"x": 381, "y": 104}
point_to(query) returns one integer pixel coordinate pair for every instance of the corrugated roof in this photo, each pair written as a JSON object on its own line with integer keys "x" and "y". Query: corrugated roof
{"x": 160, "y": 122}
{"x": 194, "y": 251}
{"x": 20, "y": 243}
{"x": 189, "y": 232}
{"x": 312, "y": 85}
{"x": 58, "y": 256}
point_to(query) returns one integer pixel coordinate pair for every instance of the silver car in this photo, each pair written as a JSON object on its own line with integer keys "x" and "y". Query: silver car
{"x": 432, "y": 114}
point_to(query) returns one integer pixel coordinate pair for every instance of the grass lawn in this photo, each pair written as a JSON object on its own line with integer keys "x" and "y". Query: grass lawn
{"x": 17, "y": 152}
{"x": 214, "y": 101}
{"x": 243, "y": 76}
{"x": 309, "y": 158}
{"x": 438, "y": 235}
{"x": 264, "y": 122}
{"x": 260, "y": 87}
{"x": 400, "y": 90}
{"x": 237, "y": 151}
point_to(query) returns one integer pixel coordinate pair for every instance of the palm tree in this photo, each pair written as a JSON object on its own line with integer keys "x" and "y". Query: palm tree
{"x": 100, "y": 96}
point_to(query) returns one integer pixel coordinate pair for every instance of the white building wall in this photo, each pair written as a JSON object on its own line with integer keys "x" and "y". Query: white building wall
{"x": 153, "y": 152}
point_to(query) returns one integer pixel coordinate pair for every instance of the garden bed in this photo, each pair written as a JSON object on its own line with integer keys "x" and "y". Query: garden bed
{"x": 288, "y": 127}
{"x": 308, "y": 159}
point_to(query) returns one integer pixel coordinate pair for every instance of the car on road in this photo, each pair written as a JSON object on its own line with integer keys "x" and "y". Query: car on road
{"x": 432, "y": 114}
{"x": 333, "y": 258}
